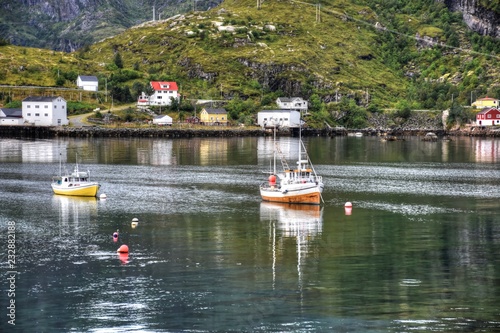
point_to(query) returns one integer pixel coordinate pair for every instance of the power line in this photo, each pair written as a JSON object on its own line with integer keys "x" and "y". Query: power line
{"x": 345, "y": 15}
{"x": 410, "y": 36}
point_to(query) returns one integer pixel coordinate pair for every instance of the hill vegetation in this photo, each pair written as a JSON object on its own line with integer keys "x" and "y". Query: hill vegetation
{"x": 350, "y": 59}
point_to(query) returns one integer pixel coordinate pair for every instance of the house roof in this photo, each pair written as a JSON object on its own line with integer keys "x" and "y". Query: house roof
{"x": 88, "y": 78}
{"x": 487, "y": 110}
{"x": 15, "y": 113}
{"x": 41, "y": 98}
{"x": 215, "y": 111}
{"x": 278, "y": 111}
{"x": 163, "y": 116}
{"x": 288, "y": 99}
{"x": 162, "y": 85}
{"x": 486, "y": 99}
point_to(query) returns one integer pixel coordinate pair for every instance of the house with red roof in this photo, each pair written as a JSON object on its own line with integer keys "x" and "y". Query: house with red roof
{"x": 163, "y": 94}
{"x": 488, "y": 117}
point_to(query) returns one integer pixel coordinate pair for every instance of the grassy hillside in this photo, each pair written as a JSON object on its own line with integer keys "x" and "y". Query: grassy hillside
{"x": 365, "y": 52}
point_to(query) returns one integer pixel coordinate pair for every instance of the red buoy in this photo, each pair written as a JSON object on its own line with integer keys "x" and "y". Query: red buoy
{"x": 272, "y": 180}
{"x": 123, "y": 249}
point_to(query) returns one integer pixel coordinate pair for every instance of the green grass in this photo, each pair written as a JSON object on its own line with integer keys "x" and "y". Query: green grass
{"x": 343, "y": 53}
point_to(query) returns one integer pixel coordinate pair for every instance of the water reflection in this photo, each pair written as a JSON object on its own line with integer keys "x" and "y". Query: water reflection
{"x": 300, "y": 222}
{"x": 487, "y": 150}
{"x": 74, "y": 211}
{"x": 32, "y": 151}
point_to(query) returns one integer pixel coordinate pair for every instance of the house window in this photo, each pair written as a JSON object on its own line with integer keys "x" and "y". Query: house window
{"x": 55, "y": 106}
{"x": 46, "y": 106}
{"x": 37, "y": 115}
{"x": 29, "y": 114}
{"x": 159, "y": 97}
{"x": 63, "y": 107}
{"x": 489, "y": 115}
{"x": 37, "y": 106}
{"x": 46, "y": 115}
{"x": 28, "y": 106}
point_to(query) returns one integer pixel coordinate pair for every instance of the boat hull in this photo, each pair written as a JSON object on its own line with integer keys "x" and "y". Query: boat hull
{"x": 89, "y": 190}
{"x": 310, "y": 196}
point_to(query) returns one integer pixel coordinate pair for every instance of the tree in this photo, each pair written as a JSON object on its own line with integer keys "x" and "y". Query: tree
{"x": 459, "y": 115}
{"x": 118, "y": 60}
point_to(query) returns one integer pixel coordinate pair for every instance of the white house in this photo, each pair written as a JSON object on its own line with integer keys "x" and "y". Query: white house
{"x": 163, "y": 93}
{"x": 86, "y": 82}
{"x": 278, "y": 118}
{"x": 11, "y": 116}
{"x": 291, "y": 103}
{"x": 45, "y": 111}
{"x": 143, "y": 100}
{"x": 162, "y": 120}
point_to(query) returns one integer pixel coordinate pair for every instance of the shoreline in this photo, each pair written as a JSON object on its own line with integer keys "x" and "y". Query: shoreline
{"x": 38, "y": 132}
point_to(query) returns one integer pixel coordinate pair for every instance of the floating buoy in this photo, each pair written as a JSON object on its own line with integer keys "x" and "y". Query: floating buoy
{"x": 123, "y": 249}
{"x": 133, "y": 225}
{"x": 272, "y": 180}
{"x": 348, "y": 208}
{"x": 135, "y": 219}
{"x": 103, "y": 196}
{"x": 115, "y": 234}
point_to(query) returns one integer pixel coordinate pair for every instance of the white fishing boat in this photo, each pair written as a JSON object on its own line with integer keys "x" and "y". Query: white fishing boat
{"x": 77, "y": 183}
{"x": 298, "y": 185}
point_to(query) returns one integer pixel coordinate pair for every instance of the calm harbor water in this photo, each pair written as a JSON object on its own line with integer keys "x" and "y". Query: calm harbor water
{"x": 420, "y": 251}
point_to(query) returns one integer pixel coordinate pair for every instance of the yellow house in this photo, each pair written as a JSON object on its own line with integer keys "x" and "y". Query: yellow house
{"x": 217, "y": 117}
{"x": 486, "y": 102}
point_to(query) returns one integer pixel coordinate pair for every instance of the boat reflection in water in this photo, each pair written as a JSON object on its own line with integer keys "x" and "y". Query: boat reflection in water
{"x": 74, "y": 211}
{"x": 288, "y": 221}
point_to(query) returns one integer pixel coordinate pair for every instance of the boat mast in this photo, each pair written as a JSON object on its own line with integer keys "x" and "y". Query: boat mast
{"x": 299, "y": 166}
{"x": 274, "y": 156}
{"x": 60, "y": 164}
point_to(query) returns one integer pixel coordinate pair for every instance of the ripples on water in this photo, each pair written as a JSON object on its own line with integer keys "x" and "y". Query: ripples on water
{"x": 208, "y": 256}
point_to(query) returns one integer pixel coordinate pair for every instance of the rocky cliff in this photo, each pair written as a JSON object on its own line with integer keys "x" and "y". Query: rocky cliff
{"x": 70, "y": 24}
{"x": 480, "y": 16}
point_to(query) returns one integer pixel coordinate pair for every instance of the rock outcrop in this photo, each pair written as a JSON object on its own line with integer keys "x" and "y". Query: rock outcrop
{"x": 479, "y": 18}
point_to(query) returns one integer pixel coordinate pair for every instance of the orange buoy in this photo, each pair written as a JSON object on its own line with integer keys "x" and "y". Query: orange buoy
{"x": 123, "y": 249}
{"x": 272, "y": 180}
{"x": 348, "y": 204}
{"x": 115, "y": 234}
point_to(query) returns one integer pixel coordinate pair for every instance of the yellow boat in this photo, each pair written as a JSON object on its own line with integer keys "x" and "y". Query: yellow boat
{"x": 77, "y": 184}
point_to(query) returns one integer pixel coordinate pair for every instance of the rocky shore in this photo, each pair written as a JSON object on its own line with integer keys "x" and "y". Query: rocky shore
{"x": 35, "y": 132}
